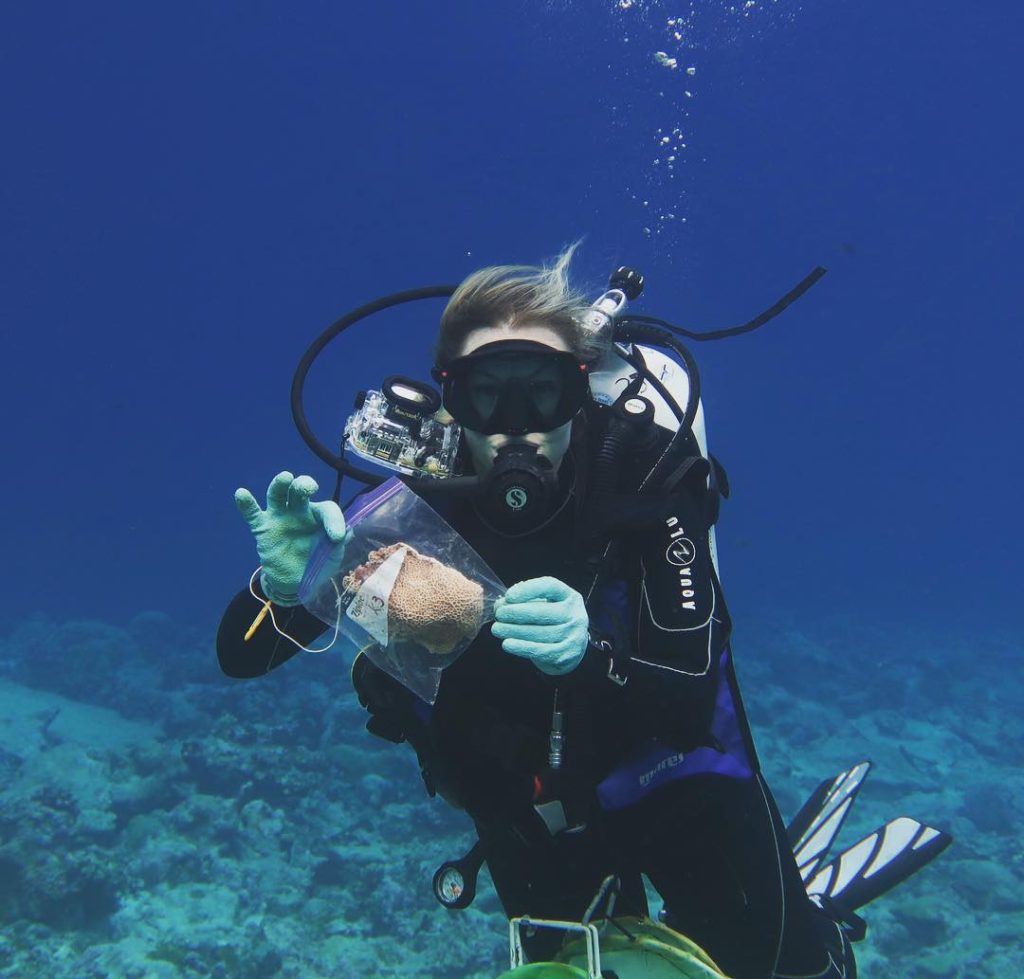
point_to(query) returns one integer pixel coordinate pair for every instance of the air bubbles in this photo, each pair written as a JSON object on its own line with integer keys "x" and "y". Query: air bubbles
{"x": 668, "y": 41}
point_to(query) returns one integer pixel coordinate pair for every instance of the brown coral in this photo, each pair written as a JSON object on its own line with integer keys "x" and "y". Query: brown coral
{"x": 431, "y": 603}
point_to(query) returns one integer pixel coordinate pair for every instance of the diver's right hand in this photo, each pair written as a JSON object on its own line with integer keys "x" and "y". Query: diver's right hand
{"x": 287, "y": 532}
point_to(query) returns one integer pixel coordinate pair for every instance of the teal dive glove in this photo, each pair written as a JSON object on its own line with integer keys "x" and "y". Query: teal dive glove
{"x": 544, "y": 620}
{"x": 287, "y": 532}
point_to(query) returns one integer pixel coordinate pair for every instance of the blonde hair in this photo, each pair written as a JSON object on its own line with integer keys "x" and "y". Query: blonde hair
{"x": 511, "y": 295}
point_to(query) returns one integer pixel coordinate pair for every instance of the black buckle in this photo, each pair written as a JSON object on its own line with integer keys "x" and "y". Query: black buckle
{"x": 616, "y": 678}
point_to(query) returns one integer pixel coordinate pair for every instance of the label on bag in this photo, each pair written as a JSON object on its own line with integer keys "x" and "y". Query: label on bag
{"x": 369, "y": 608}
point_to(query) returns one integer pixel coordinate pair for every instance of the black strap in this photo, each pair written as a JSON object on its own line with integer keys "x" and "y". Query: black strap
{"x": 707, "y": 478}
{"x": 698, "y": 465}
{"x": 719, "y": 477}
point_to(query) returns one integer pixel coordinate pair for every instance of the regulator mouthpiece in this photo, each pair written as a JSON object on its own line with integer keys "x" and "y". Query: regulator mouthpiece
{"x": 519, "y": 491}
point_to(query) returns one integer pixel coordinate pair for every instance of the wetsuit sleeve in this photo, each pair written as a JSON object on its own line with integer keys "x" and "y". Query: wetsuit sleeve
{"x": 266, "y": 650}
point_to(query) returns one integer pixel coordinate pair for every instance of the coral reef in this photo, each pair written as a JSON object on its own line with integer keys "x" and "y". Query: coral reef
{"x": 159, "y": 820}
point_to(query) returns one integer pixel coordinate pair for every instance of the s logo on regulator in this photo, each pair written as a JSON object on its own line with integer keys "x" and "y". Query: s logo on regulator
{"x": 516, "y": 498}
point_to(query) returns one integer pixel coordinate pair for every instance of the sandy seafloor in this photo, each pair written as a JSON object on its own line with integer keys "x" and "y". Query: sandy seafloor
{"x": 159, "y": 820}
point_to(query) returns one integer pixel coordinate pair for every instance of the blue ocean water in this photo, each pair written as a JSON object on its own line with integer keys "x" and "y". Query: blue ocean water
{"x": 191, "y": 194}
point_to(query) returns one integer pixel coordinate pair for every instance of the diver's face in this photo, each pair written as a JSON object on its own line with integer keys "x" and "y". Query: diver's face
{"x": 544, "y": 382}
{"x": 535, "y": 374}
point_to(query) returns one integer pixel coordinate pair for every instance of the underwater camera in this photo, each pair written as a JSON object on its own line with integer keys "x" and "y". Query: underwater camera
{"x": 403, "y": 427}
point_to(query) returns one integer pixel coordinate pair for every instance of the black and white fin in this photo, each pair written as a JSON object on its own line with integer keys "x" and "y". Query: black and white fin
{"x": 814, "y": 828}
{"x": 877, "y": 863}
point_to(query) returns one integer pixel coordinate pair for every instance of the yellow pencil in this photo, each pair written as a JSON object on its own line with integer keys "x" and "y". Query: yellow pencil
{"x": 256, "y": 622}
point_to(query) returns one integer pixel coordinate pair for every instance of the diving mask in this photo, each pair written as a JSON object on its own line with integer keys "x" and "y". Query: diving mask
{"x": 513, "y": 387}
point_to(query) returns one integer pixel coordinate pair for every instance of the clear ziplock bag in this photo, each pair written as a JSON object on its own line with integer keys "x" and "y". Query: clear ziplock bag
{"x": 404, "y": 589}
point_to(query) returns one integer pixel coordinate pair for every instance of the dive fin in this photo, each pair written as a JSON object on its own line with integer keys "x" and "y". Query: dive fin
{"x": 878, "y": 863}
{"x": 813, "y": 829}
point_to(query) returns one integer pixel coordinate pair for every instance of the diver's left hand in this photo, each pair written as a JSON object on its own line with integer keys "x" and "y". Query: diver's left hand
{"x": 543, "y": 620}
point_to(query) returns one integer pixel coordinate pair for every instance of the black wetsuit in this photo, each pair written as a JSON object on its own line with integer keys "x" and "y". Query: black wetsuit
{"x": 656, "y": 743}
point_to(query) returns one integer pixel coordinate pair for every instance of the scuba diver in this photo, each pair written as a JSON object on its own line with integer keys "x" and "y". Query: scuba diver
{"x": 595, "y": 728}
